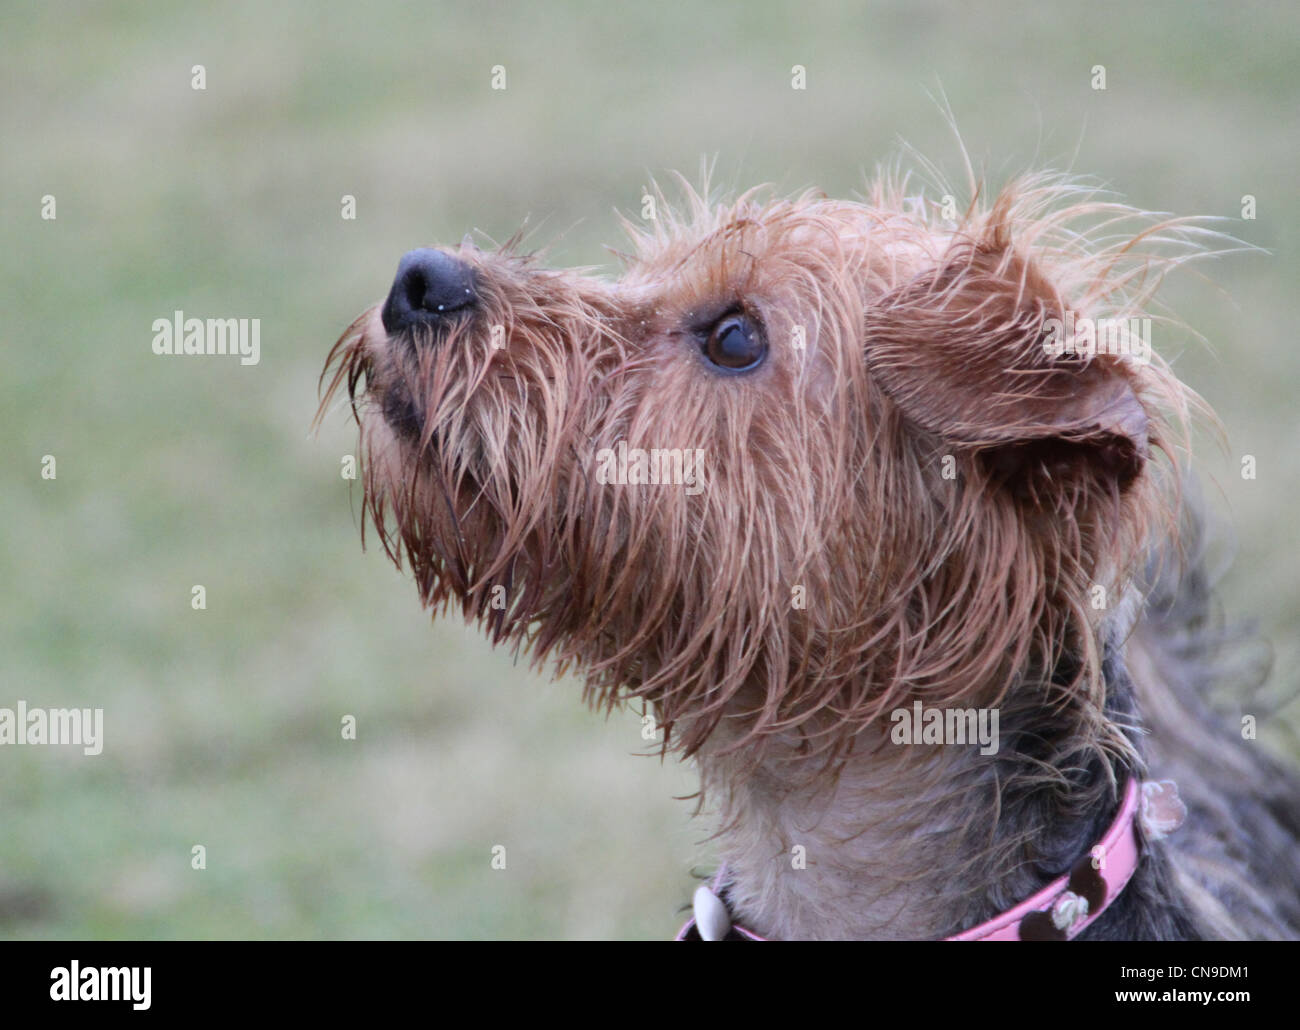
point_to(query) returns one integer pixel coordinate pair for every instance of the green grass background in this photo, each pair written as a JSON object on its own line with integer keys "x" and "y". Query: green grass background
{"x": 223, "y": 726}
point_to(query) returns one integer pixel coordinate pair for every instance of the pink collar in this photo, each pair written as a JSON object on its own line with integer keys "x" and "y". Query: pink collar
{"x": 1059, "y": 912}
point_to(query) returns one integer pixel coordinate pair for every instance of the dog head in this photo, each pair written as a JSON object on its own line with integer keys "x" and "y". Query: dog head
{"x": 803, "y": 461}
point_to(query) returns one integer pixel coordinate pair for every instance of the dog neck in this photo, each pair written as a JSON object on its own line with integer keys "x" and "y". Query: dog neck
{"x": 918, "y": 841}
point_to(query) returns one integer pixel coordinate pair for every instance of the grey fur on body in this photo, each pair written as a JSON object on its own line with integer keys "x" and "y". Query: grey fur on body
{"x": 901, "y": 851}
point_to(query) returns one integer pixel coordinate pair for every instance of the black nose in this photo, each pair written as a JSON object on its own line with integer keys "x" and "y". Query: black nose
{"x": 430, "y": 286}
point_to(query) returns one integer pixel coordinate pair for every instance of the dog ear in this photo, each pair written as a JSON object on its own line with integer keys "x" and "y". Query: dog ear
{"x": 965, "y": 351}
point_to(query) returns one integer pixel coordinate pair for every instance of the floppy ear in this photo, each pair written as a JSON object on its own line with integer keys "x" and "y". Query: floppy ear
{"x": 961, "y": 351}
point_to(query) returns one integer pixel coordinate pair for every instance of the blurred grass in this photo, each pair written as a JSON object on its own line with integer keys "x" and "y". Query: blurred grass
{"x": 223, "y": 726}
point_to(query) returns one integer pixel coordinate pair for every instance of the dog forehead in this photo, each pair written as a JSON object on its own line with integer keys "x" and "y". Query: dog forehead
{"x": 730, "y": 251}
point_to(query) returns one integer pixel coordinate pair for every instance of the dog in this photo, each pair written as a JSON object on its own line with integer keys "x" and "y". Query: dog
{"x": 810, "y": 471}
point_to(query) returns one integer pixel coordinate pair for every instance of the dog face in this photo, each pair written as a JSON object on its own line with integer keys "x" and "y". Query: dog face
{"x": 770, "y": 472}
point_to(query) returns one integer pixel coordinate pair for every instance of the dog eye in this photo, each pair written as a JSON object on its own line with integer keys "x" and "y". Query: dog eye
{"x": 735, "y": 343}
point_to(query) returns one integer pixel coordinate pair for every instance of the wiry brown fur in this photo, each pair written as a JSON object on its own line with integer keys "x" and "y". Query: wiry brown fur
{"x": 825, "y": 483}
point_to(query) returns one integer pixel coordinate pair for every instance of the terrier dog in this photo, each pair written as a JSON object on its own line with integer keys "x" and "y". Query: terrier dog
{"x": 812, "y": 470}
